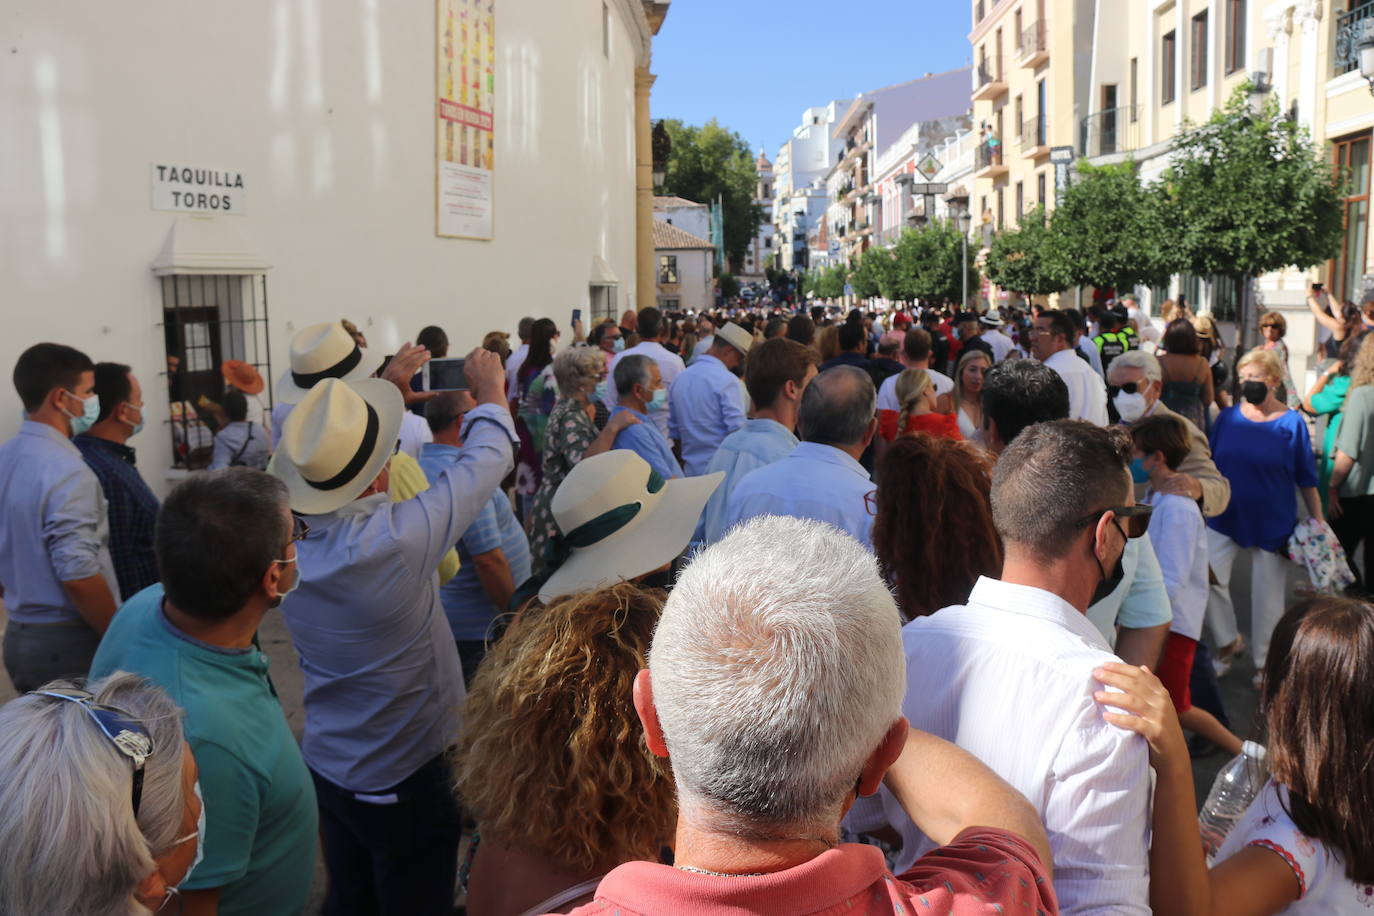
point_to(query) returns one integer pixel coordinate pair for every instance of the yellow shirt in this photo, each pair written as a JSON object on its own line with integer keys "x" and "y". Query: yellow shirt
{"x": 407, "y": 482}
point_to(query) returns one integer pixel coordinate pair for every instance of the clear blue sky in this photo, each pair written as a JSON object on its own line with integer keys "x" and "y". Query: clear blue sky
{"x": 755, "y": 65}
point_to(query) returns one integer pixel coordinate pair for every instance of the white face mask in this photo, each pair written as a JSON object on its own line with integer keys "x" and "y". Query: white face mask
{"x": 1131, "y": 407}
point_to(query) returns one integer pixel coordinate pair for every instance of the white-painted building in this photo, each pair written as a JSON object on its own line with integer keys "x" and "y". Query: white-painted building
{"x": 756, "y": 258}
{"x": 801, "y": 162}
{"x": 684, "y": 263}
{"x": 685, "y": 214}
{"x": 944, "y": 146}
{"x": 327, "y": 115}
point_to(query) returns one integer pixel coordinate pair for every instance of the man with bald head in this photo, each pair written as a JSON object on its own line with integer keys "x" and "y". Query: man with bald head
{"x": 822, "y": 478}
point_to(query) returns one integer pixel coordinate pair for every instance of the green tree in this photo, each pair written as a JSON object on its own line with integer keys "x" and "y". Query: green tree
{"x": 1111, "y": 230}
{"x": 873, "y": 273}
{"x": 728, "y": 285}
{"x": 1248, "y": 193}
{"x": 1026, "y": 259}
{"x": 928, "y": 264}
{"x": 829, "y": 283}
{"x": 710, "y": 162}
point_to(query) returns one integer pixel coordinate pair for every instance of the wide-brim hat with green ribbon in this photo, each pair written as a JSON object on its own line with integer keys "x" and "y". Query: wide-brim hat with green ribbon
{"x": 619, "y": 519}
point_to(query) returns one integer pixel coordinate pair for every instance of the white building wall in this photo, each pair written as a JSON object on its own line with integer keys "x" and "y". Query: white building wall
{"x": 695, "y": 219}
{"x": 328, "y": 111}
{"x": 693, "y": 289}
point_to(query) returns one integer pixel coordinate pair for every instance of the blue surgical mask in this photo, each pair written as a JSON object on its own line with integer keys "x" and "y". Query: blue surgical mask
{"x": 619, "y": 344}
{"x": 1138, "y": 472}
{"x": 600, "y": 393}
{"x": 136, "y": 427}
{"x": 90, "y": 412}
{"x": 659, "y": 400}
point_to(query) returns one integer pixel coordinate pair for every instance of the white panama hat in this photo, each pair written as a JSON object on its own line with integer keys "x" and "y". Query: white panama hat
{"x": 620, "y": 520}
{"x": 736, "y": 337}
{"x": 992, "y": 318}
{"x": 319, "y": 352}
{"x": 336, "y": 441}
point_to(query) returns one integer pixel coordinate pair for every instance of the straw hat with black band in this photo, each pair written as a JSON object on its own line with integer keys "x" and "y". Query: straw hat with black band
{"x": 618, "y": 520}
{"x": 336, "y": 441}
{"x": 736, "y": 337}
{"x": 320, "y": 352}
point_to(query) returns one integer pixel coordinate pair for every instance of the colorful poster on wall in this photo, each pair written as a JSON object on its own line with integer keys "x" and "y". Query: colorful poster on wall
{"x": 465, "y": 117}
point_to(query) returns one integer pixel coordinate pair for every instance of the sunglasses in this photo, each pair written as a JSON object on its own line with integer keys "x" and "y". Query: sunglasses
{"x": 1136, "y": 518}
{"x": 1129, "y": 388}
{"x": 128, "y": 736}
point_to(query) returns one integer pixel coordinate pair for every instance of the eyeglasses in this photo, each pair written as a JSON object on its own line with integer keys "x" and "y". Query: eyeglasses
{"x": 1128, "y": 388}
{"x": 871, "y": 502}
{"x": 128, "y": 736}
{"x": 299, "y": 529}
{"x": 1137, "y": 518}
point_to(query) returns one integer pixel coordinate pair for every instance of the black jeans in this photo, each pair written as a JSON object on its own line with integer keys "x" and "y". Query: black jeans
{"x": 1355, "y": 525}
{"x": 396, "y": 856}
{"x": 36, "y": 653}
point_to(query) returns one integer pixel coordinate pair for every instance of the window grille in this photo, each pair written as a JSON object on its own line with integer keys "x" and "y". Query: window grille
{"x": 206, "y": 320}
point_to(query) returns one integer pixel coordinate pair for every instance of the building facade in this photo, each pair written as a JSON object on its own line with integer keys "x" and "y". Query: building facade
{"x": 761, "y": 253}
{"x": 329, "y": 123}
{"x": 799, "y": 172}
{"x": 684, "y": 265}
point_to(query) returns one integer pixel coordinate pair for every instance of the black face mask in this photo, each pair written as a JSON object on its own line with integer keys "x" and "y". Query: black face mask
{"x": 1254, "y": 392}
{"x": 1109, "y": 583}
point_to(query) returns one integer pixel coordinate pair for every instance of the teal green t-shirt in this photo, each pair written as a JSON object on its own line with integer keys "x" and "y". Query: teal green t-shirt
{"x": 260, "y": 813}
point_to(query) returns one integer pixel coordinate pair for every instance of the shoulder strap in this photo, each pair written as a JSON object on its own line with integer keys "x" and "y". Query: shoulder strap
{"x": 563, "y": 898}
{"x": 233, "y": 461}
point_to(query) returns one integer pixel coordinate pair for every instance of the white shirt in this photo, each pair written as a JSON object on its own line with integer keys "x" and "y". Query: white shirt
{"x": 414, "y": 434}
{"x": 1087, "y": 395}
{"x": 280, "y": 411}
{"x": 887, "y": 394}
{"x": 513, "y": 364}
{"x": 1180, "y": 544}
{"x": 1089, "y": 349}
{"x": 1001, "y": 344}
{"x": 670, "y": 366}
{"x": 1008, "y": 678}
{"x": 1323, "y": 887}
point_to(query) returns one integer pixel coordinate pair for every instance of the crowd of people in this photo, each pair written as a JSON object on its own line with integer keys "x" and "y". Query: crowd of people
{"x": 763, "y": 610}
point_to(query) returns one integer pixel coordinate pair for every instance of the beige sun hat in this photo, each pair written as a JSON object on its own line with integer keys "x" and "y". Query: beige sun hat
{"x": 620, "y": 520}
{"x": 336, "y": 441}
{"x": 319, "y": 352}
{"x": 736, "y": 337}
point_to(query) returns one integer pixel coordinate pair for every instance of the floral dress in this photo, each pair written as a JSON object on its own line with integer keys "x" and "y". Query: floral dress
{"x": 535, "y": 400}
{"x": 566, "y": 438}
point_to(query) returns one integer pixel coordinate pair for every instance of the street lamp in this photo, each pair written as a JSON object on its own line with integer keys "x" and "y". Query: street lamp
{"x": 959, "y": 212}
{"x": 1365, "y": 49}
{"x": 661, "y": 148}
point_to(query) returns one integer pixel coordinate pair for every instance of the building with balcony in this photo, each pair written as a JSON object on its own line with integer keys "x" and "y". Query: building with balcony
{"x": 1158, "y": 65}
{"x": 801, "y": 162}
{"x": 947, "y": 146}
{"x": 1029, "y": 94}
{"x": 761, "y": 253}
{"x": 874, "y": 122}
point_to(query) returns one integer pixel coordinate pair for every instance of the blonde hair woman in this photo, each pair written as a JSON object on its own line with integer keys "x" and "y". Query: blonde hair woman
{"x": 552, "y": 763}
{"x": 916, "y": 395}
{"x": 1263, "y": 449}
{"x": 968, "y": 392}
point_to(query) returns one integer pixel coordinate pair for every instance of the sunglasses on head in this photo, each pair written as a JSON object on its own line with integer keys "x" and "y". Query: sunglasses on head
{"x": 128, "y": 736}
{"x": 1136, "y": 518}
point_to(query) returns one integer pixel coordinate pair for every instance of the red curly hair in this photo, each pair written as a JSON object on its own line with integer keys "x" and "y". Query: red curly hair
{"x": 933, "y": 533}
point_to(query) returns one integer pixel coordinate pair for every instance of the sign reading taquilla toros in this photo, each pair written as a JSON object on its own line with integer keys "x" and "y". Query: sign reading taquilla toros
{"x": 197, "y": 189}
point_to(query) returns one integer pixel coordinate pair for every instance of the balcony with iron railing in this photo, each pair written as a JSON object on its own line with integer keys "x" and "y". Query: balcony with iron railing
{"x": 1033, "y": 49}
{"x": 991, "y": 81}
{"x": 1105, "y": 133}
{"x": 1035, "y": 138}
{"x": 988, "y": 160}
{"x": 1351, "y": 26}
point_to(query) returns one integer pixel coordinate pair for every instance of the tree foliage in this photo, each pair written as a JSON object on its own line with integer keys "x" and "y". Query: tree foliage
{"x": 1112, "y": 230}
{"x": 709, "y": 162}
{"x": 873, "y": 274}
{"x": 826, "y": 283}
{"x": 928, "y": 264}
{"x": 728, "y": 285}
{"x": 1247, "y": 193}
{"x": 1027, "y": 259}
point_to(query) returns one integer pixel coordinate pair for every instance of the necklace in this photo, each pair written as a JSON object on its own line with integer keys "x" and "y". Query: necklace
{"x": 718, "y": 874}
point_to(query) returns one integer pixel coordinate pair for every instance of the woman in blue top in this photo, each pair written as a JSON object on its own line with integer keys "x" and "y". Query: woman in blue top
{"x": 1264, "y": 450}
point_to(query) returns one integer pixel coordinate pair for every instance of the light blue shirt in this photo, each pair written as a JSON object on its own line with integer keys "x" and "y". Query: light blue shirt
{"x": 54, "y": 526}
{"x": 1140, "y": 600}
{"x": 383, "y": 684}
{"x": 247, "y": 440}
{"x": 707, "y": 406}
{"x": 760, "y": 442}
{"x": 1089, "y": 349}
{"x": 467, "y": 605}
{"x": 644, "y": 439}
{"x": 815, "y": 481}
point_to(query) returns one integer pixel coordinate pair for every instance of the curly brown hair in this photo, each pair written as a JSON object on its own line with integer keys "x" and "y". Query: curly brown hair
{"x": 552, "y": 757}
{"x": 933, "y": 533}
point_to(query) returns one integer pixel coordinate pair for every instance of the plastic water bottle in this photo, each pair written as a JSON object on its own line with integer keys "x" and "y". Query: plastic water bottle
{"x": 1235, "y": 788}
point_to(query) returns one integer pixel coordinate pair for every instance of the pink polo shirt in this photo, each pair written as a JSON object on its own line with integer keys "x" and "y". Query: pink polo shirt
{"x": 984, "y": 871}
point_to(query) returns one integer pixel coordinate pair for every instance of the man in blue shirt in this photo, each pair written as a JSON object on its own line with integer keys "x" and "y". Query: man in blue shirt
{"x": 639, "y": 388}
{"x": 853, "y": 341}
{"x": 777, "y": 375}
{"x": 132, "y": 506}
{"x": 383, "y": 685}
{"x": 55, "y": 571}
{"x": 227, "y": 546}
{"x": 494, "y": 551}
{"x": 822, "y": 478}
{"x": 707, "y": 403}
